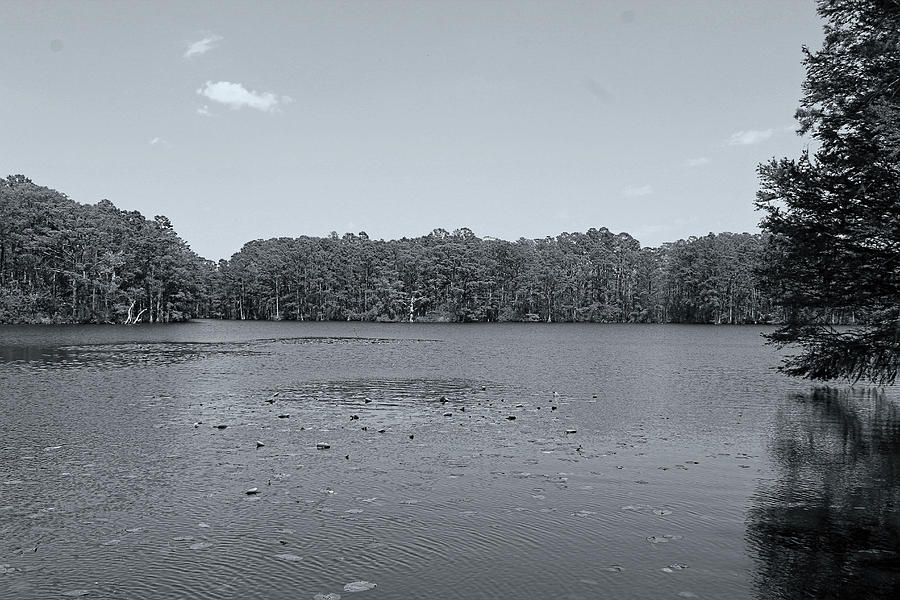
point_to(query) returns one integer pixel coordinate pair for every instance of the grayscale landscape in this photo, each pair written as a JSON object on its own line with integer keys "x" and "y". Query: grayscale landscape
{"x": 615, "y": 312}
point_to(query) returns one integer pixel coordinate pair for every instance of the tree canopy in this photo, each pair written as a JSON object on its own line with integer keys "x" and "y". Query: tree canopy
{"x": 595, "y": 276}
{"x": 65, "y": 262}
{"x": 834, "y": 214}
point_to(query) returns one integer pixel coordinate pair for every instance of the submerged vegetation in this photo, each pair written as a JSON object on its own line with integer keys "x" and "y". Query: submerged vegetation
{"x": 65, "y": 262}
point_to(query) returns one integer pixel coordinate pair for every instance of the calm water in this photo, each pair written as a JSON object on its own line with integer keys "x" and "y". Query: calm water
{"x": 693, "y": 470}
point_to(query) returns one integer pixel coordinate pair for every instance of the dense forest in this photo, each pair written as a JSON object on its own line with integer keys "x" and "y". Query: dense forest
{"x": 63, "y": 262}
{"x": 595, "y": 276}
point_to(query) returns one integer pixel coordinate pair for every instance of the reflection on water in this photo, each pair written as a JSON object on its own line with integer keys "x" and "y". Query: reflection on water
{"x": 150, "y": 353}
{"x": 828, "y": 525}
{"x": 539, "y": 461}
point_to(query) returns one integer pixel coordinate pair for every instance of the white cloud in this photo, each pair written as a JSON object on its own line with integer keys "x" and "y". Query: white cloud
{"x": 203, "y": 111}
{"x": 155, "y": 141}
{"x": 631, "y": 192}
{"x": 203, "y": 46}
{"x": 697, "y": 162}
{"x": 235, "y": 96}
{"x": 751, "y": 136}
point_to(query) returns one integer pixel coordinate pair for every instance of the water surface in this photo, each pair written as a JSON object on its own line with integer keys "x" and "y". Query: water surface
{"x": 642, "y": 462}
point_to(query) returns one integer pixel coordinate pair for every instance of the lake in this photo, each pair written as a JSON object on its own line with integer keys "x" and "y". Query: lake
{"x": 464, "y": 461}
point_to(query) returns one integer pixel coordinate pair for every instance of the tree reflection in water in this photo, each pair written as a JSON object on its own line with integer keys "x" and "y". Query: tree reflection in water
{"x": 828, "y": 524}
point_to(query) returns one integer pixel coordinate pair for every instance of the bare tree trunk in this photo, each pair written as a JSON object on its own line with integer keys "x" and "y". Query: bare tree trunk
{"x": 277, "y": 306}
{"x": 130, "y": 309}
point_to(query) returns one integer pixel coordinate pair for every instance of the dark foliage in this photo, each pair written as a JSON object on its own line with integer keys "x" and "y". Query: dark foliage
{"x": 64, "y": 262}
{"x": 596, "y": 276}
{"x": 834, "y": 217}
{"x": 61, "y": 261}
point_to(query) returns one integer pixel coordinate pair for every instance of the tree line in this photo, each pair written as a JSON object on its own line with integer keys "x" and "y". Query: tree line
{"x": 596, "y": 276}
{"x": 65, "y": 262}
{"x": 829, "y": 253}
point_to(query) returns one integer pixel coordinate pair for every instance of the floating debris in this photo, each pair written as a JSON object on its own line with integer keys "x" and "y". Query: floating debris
{"x": 511, "y": 418}
{"x": 614, "y": 569}
{"x": 220, "y": 426}
{"x": 448, "y": 414}
{"x": 323, "y": 446}
{"x": 6, "y": 568}
{"x": 111, "y": 543}
{"x": 412, "y": 436}
{"x": 354, "y": 417}
{"x": 288, "y": 557}
{"x": 252, "y": 491}
{"x": 183, "y": 538}
{"x": 327, "y": 597}
{"x": 662, "y": 539}
{"x": 259, "y": 444}
{"x": 552, "y": 407}
{"x": 358, "y": 586}
{"x": 76, "y": 593}
{"x": 662, "y": 512}
{"x": 200, "y": 546}
{"x": 569, "y": 431}
{"x": 674, "y": 567}
{"x": 284, "y": 416}
{"x": 203, "y": 525}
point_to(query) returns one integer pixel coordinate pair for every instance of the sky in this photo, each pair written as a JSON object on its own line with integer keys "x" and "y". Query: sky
{"x": 251, "y": 120}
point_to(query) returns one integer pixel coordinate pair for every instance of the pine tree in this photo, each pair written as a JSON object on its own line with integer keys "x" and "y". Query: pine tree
{"x": 834, "y": 216}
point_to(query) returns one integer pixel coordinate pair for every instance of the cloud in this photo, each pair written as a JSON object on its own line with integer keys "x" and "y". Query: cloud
{"x": 751, "y": 136}
{"x": 203, "y": 46}
{"x": 235, "y": 96}
{"x": 158, "y": 141}
{"x": 203, "y": 111}
{"x": 632, "y": 192}
{"x": 697, "y": 162}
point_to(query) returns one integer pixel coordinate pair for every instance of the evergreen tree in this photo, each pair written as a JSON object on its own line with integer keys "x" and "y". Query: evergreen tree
{"x": 834, "y": 252}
